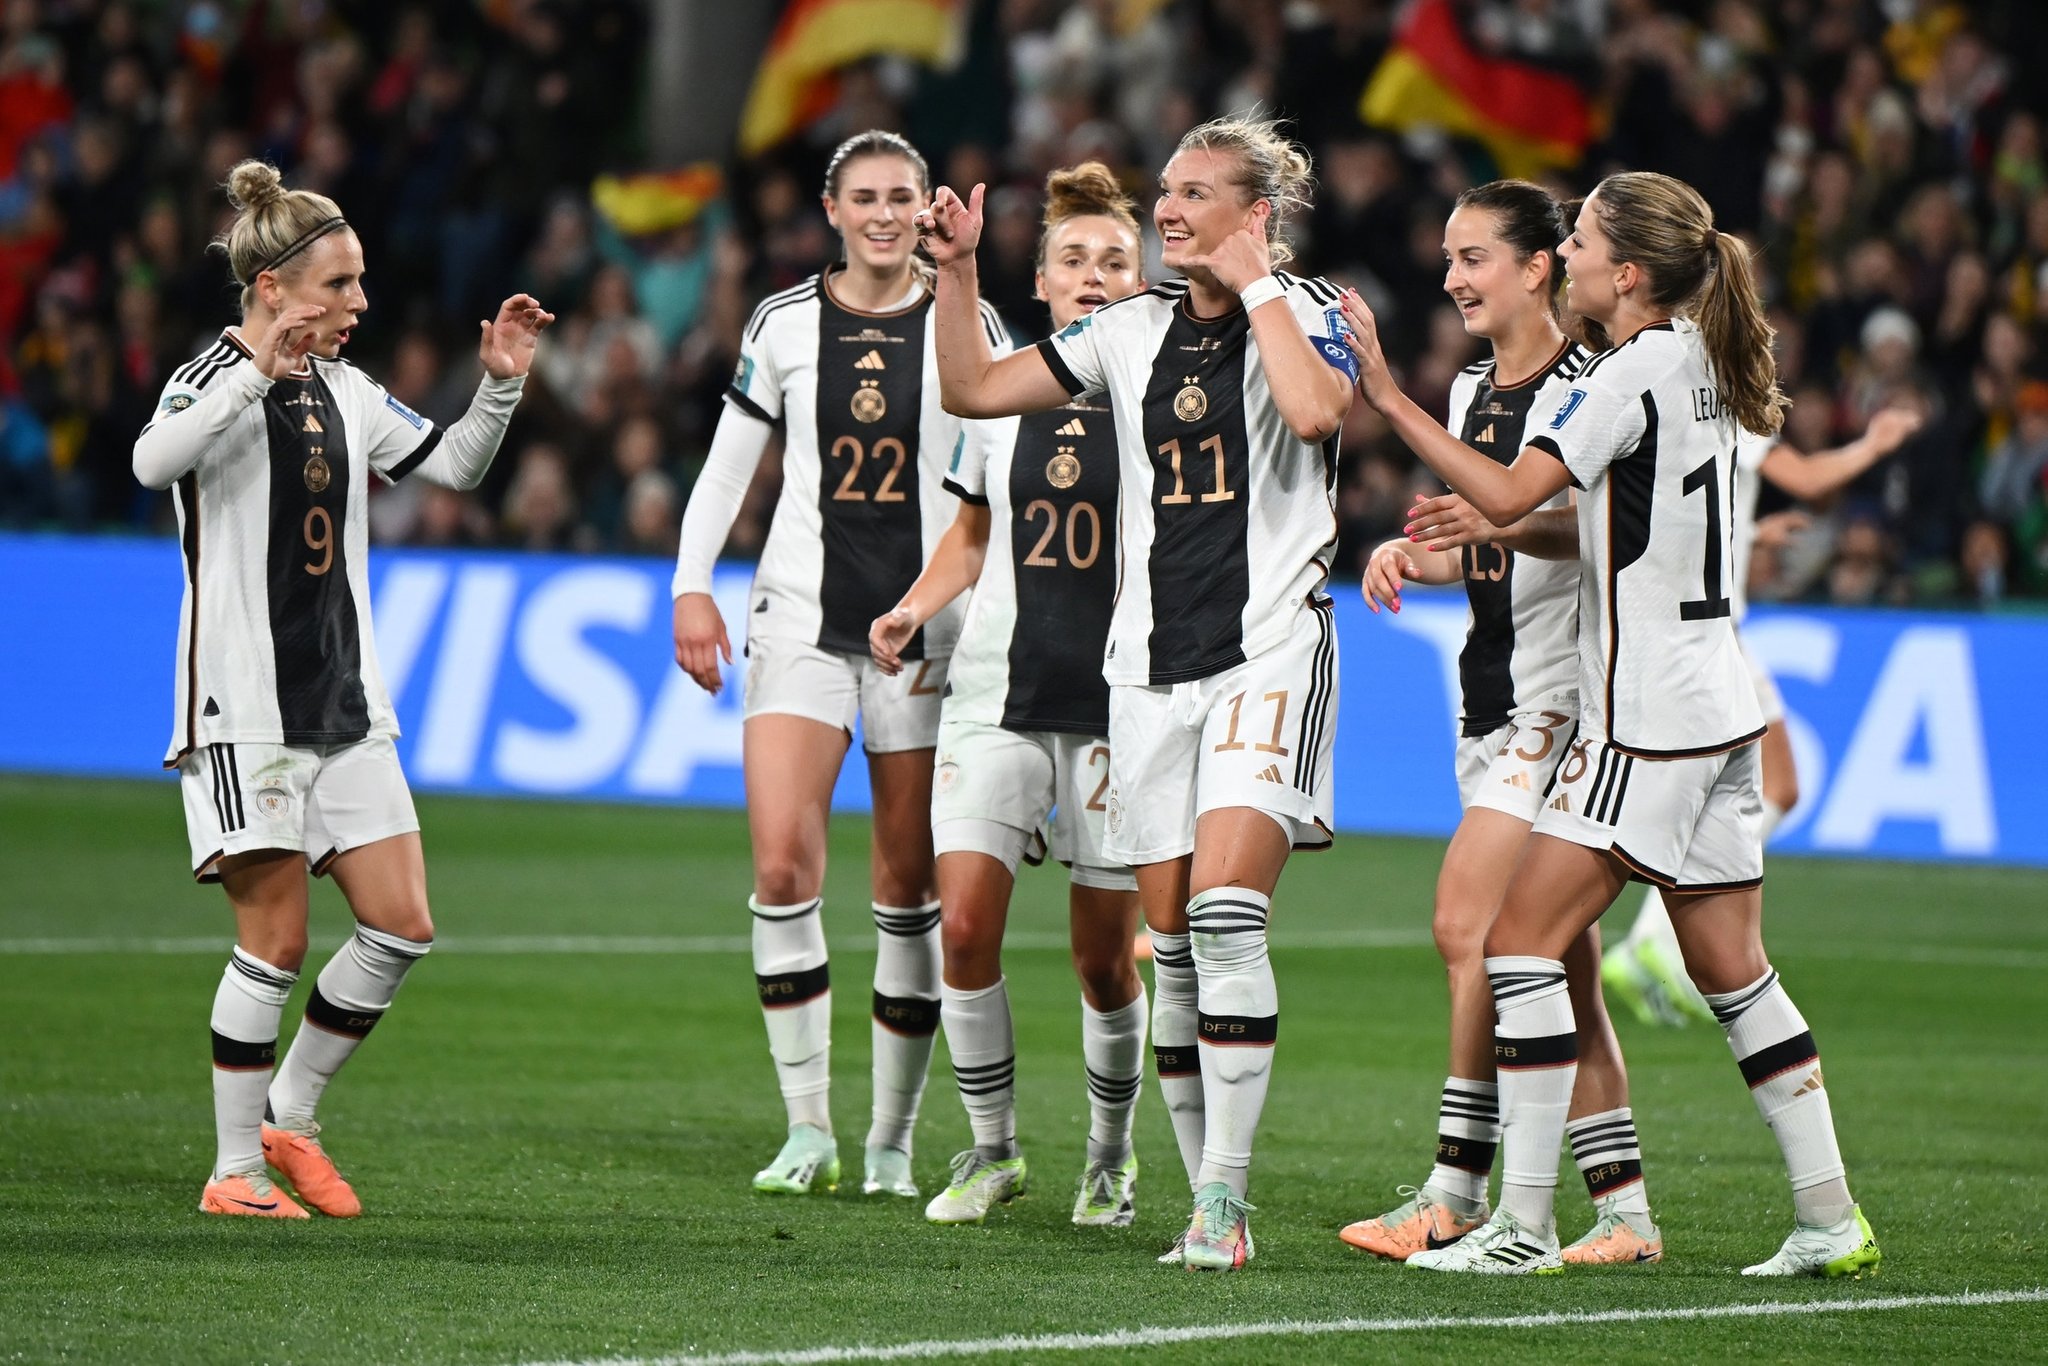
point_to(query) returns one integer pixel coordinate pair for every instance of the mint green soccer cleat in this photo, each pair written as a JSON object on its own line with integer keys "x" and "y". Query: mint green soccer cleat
{"x": 809, "y": 1161}
{"x": 1848, "y": 1248}
{"x": 1675, "y": 996}
{"x": 1219, "y": 1236}
{"x": 979, "y": 1185}
{"x": 888, "y": 1173}
{"x": 1107, "y": 1198}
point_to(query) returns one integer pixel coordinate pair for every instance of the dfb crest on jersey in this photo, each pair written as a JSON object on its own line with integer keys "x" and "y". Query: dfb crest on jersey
{"x": 1190, "y": 403}
{"x": 177, "y": 403}
{"x": 868, "y": 402}
{"x": 1572, "y": 401}
{"x": 317, "y": 474}
{"x": 1063, "y": 471}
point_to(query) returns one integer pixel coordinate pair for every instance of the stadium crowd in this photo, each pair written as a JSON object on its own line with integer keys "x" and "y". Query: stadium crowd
{"x": 1885, "y": 156}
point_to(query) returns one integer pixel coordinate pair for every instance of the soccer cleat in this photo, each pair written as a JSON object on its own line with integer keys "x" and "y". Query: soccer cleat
{"x": 1107, "y": 1198}
{"x": 1176, "y": 1254}
{"x": 248, "y": 1193}
{"x": 1625, "y": 978}
{"x": 1424, "y": 1222}
{"x": 809, "y": 1161}
{"x": 1845, "y": 1249}
{"x": 888, "y": 1173}
{"x": 1219, "y": 1236}
{"x": 1614, "y": 1239}
{"x": 1498, "y": 1247}
{"x": 979, "y": 1185}
{"x": 306, "y": 1165}
{"x": 1675, "y": 995}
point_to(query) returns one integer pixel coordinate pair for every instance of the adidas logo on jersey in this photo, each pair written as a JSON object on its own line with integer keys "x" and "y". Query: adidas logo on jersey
{"x": 1520, "y": 780}
{"x": 1563, "y": 803}
{"x": 871, "y": 361}
{"x": 1486, "y": 436}
{"x": 1270, "y": 774}
{"x": 312, "y": 424}
{"x": 1073, "y": 428}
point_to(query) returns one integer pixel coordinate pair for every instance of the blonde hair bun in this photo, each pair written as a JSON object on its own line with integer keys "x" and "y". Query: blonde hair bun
{"x": 253, "y": 184}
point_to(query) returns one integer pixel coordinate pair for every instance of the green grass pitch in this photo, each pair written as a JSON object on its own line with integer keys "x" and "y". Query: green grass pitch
{"x": 553, "y": 1143}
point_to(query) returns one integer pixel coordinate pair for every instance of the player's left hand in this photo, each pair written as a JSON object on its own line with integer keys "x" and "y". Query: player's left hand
{"x": 1447, "y": 522}
{"x": 507, "y": 345}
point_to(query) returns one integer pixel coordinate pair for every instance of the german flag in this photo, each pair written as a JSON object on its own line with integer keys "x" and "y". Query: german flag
{"x": 1529, "y": 118}
{"x": 814, "y": 38}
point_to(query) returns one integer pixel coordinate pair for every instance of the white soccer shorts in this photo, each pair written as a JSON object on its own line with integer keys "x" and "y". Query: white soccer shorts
{"x": 1695, "y": 825}
{"x": 1509, "y": 768}
{"x": 994, "y": 790}
{"x": 1256, "y": 735}
{"x": 794, "y": 678}
{"x": 1767, "y": 695}
{"x": 323, "y": 800}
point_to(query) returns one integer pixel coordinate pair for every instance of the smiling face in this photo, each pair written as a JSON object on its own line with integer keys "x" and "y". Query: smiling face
{"x": 1090, "y": 260}
{"x": 1199, "y": 206}
{"x": 1593, "y": 281}
{"x": 1493, "y": 291}
{"x": 329, "y": 275}
{"x": 877, "y": 195}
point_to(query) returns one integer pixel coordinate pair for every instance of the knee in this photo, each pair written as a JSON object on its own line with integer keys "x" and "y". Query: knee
{"x": 1460, "y": 943}
{"x": 971, "y": 942}
{"x": 408, "y": 921}
{"x": 1105, "y": 973}
{"x": 281, "y": 946}
{"x": 784, "y": 880}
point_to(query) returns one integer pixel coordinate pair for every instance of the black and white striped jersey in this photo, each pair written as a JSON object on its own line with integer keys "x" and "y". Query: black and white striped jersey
{"x": 864, "y": 459}
{"x": 1030, "y": 651}
{"x": 1521, "y": 635}
{"x": 274, "y": 640}
{"x": 1228, "y": 520}
{"x": 1645, "y": 436}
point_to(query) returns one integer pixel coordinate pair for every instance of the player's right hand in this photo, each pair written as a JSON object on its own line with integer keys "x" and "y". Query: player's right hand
{"x": 1384, "y": 573}
{"x": 290, "y": 337}
{"x": 1375, "y": 379}
{"x": 701, "y": 640}
{"x": 888, "y": 638}
{"x": 950, "y": 230}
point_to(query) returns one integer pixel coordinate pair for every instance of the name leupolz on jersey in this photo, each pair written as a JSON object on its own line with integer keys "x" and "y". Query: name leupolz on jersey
{"x": 1063, "y": 492}
{"x": 314, "y": 633}
{"x": 870, "y": 396}
{"x": 1493, "y": 426}
{"x": 1195, "y": 432}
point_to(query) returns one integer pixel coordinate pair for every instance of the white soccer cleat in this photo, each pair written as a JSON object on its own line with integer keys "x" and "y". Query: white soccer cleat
{"x": 809, "y": 1161}
{"x": 1108, "y": 1195}
{"x": 979, "y": 1185}
{"x": 888, "y": 1173}
{"x": 1848, "y": 1248}
{"x": 1498, "y": 1247}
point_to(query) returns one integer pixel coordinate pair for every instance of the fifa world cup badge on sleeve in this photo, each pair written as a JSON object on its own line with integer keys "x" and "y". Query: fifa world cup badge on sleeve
{"x": 391, "y": 402}
{"x": 1572, "y": 401}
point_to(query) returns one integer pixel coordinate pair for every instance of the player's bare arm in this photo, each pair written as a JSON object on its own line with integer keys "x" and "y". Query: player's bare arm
{"x": 1311, "y": 394}
{"x": 955, "y": 567}
{"x": 972, "y": 382}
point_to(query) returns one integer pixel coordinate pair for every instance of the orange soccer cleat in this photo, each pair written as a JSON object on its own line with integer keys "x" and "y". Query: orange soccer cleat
{"x": 253, "y": 1196}
{"x": 1421, "y": 1224}
{"x": 307, "y": 1166}
{"x": 1614, "y": 1238}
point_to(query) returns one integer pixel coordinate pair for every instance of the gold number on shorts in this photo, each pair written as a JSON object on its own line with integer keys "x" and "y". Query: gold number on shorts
{"x": 918, "y": 686}
{"x": 320, "y": 540}
{"x": 1230, "y": 740}
{"x": 1551, "y": 721}
{"x": 1574, "y": 763}
{"x": 1095, "y": 802}
{"x": 1219, "y": 494}
{"x": 1038, "y": 559}
{"x": 887, "y": 448}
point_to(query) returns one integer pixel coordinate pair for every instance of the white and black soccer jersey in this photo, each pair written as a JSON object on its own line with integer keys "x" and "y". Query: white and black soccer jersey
{"x": 864, "y": 459}
{"x": 1521, "y": 636}
{"x": 1228, "y": 522}
{"x": 1643, "y": 432}
{"x": 1750, "y": 452}
{"x": 274, "y": 639}
{"x": 1030, "y": 651}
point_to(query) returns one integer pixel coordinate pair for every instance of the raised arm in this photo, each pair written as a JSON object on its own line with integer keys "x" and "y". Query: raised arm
{"x": 955, "y": 567}
{"x": 172, "y": 444}
{"x": 1810, "y": 478}
{"x": 972, "y": 381}
{"x": 1311, "y": 392}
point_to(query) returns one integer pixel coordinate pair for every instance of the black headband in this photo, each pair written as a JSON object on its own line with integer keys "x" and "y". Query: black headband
{"x": 301, "y": 242}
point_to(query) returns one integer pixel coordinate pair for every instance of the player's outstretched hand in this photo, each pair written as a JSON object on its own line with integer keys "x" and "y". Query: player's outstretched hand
{"x": 507, "y": 346}
{"x": 289, "y": 339}
{"x": 701, "y": 641}
{"x": 1375, "y": 380}
{"x": 1777, "y": 530}
{"x": 1447, "y": 522}
{"x": 889, "y": 637}
{"x": 1384, "y": 573}
{"x": 1890, "y": 427}
{"x": 950, "y": 230}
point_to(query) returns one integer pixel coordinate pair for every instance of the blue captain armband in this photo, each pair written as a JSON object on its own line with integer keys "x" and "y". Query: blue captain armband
{"x": 1338, "y": 355}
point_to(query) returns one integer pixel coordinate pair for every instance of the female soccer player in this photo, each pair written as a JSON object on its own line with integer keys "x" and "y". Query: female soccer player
{"x": 1519, "y": 677}
{"x": 1229, "y": 388}
{"x": 1662, "y": 783}
{"x": 1021, "y": 736}
{"x": 283, "y": 733}
{"x": 844, "y": 362}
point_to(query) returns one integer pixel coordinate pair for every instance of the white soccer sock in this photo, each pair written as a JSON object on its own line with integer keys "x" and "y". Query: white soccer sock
{"x": 246, "y": 1009}
{"x": 795, "y": 985}
{"x": 352, "y": 993}
{"x": 1467, "y": 1131}
{"x": 1536, "y": 1051}
{"x": 906, "y": 1016}
{"x": 1240, "y": 1020}
{"x": 1175, "y": 1015}
{"x": 1610, "y": 1158}
{"x": 984, "y": 1050}
{"x": 1776, "y": 1053}
{"x": 1113, "y": 1051}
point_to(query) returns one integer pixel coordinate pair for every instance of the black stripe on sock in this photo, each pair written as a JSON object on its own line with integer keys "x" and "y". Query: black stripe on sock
{"x": 236, "y": 1055}
{"x": 781, "y": 990}
{"x": 907, "y": 926}
{"x": 1176, "y": 1060}
{"x": 808, "y": 908}
{"x": 1113, "y": 1090}
{"x": 911, "y": 1016}
{"x": 346, "y": 1021}
{"x": 1239, "y": 1031}
{"x": 1605, "y": 1178}
{"x": 1172, "y": 958}
{"x": 1779, "y": 1058}
{"x": 1522, "y": 1055}
{"x": 1473, "y": 1155}
{"x": 987, "y": 1079}
{"x": 1727, "y": 1012}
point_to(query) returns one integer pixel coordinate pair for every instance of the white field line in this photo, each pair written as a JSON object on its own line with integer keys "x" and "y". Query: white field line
{"x": 933, "y": 1349}
{"x": 1938, "y": 955}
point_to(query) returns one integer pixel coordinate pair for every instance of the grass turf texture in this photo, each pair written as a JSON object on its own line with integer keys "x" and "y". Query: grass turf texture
{"x": 554, "y": 1148}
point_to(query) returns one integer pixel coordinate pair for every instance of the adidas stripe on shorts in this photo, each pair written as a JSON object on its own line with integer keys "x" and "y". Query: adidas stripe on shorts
{"x": 322, "y": 799}
{"x": 1692, "y": 824}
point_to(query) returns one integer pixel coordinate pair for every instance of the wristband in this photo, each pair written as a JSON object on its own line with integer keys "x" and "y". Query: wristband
{"x": 1263, "y": 290}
